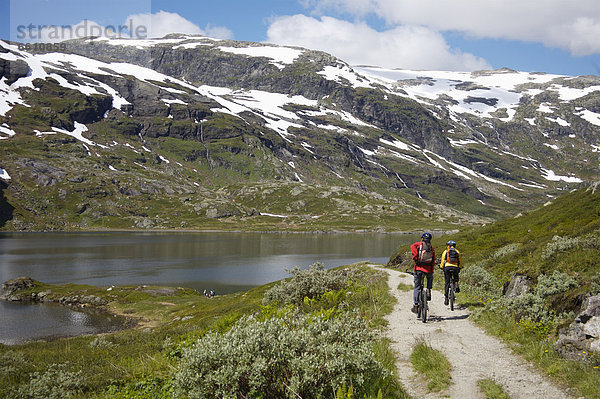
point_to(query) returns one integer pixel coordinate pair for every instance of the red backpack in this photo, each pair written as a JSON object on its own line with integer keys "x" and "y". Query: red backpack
{"x": 425, "y": 256}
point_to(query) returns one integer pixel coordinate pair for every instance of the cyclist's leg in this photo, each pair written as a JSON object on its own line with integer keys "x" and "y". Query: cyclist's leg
{"x": 429, "y": 280}
{"x": 456, "y": 276}
{"x": 429, "y": 284}
{"x": 447, "y": 277}
{"x": 418, "y": 286}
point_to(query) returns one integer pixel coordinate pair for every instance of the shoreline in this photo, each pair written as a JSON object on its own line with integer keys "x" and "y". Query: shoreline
{"x": 193, "y": 231}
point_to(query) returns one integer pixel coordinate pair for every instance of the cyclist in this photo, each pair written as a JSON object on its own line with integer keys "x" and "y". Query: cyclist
{"x": 424, "y": 256}
{"x": 450, "y": 264}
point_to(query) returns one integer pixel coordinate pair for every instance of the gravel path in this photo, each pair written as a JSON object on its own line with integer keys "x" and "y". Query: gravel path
{"x": 473, "y": 354}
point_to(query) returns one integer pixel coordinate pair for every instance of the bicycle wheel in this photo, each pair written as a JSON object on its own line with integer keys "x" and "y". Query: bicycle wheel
{"x": 451, "y": 295}
{"x": 424, "y": 305}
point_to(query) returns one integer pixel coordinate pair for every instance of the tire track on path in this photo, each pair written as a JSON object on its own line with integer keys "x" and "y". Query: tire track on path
{"x": 473, "y": 354}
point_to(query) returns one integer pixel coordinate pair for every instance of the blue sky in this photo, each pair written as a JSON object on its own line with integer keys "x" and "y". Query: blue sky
{"x": 554, "y": 36}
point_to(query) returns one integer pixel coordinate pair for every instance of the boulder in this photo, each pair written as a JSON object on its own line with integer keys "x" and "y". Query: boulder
{"x": 13, "y": 70}
{"x": 591, "y": 308}
{"x": 592, "y": 327}
{"x": 520, "y": 284}
{"x": 584, "y": 333}
{"x": 12, "y": 287}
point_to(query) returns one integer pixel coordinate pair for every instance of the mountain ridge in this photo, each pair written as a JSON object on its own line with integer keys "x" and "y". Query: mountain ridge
{"x": 208, "y": 118}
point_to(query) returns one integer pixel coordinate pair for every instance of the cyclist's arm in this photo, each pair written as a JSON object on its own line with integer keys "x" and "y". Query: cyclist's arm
{"x": 443, "y": 262}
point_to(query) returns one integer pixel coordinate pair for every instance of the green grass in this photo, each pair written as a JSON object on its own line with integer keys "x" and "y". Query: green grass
{"x": 432, "y": 365}
{"x": 405, "y": 287}
{"x": 492, "y": 390}
{"x": 139, "y": 363}
{"x": 133, "y": 355}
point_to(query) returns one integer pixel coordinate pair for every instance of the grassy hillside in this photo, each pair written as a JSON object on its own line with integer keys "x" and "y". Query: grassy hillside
{"x": 557, "y": 247}
{"x": 563, "y": 235}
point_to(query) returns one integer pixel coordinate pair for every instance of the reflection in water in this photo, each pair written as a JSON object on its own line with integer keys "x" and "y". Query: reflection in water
{"x": 230, "y": 261}
{"x": 26, "y": 322}
{"x": 224, "y": 262}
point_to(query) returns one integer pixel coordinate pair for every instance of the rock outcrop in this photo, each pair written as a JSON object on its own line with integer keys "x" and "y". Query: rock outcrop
{"x": 517, "y": 286}
{"x": 11, "y": 287}
{"x": 584, "y": 333}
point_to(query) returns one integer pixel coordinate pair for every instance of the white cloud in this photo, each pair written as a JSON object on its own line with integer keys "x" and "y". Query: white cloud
{"x": 162, "y": 23}
{"x": 58, "y": 33}
{"x": 408, "y": 47}
{"x": 137, "y": 26}
{"x": 569, "y": 25}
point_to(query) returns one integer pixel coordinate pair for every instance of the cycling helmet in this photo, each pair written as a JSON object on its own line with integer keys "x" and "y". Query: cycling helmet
{"x": 426, "y": 236}
{"x": 451, "y": 243}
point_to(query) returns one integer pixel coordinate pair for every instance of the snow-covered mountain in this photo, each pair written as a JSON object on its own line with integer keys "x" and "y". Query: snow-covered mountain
{"x": 217, "y": 132}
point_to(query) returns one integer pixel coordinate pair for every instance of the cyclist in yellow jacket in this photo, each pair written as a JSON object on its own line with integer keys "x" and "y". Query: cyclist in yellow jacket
{"x": 450, "y": 263}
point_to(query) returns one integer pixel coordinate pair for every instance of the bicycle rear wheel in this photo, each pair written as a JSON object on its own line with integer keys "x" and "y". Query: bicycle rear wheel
{"x": 424, "y": 305}
{"x": 451, "y": 295}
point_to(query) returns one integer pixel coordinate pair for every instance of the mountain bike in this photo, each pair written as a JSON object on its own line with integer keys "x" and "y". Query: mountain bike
{"x": 422, "y": 306}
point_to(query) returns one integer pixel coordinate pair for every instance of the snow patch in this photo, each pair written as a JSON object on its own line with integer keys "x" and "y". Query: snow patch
{"x": 545, "y": 108}
{"x": 551, "y": 176}
{"x": 589, "y": 116}
{"x": 343, "y": 73}
{"x": 78, "y": 134}
{"x": 560, "y": 121}
{"x": 280, "y": 56}
{"x": 4, "y": 129}
{"x": 271, "y": 215}
{"x": 397, "y": 144}
{"x": 176, "y": 101}
{"x": 461, "y": 143}
{"x": 4, "y": 174}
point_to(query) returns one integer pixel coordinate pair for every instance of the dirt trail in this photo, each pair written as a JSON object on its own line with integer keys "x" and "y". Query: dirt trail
{"x": 473, "y": 354}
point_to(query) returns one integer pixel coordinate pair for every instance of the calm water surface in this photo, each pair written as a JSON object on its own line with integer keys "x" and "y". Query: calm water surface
{"x": 224, "y": 262}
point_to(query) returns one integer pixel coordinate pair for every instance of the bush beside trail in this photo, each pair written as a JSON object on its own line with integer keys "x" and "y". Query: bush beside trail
{"x": 293, "y": 356}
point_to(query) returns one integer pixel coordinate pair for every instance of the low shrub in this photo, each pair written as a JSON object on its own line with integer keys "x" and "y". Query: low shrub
{"x": 556, "y": 283}
{"x": 12, "y": 361}
{"x": 57, "y": 382}
{"x": 289, "y": 357}
{"x": 101, "y": 342}
{"x": 480, "y": 283}
{"x": 306, "y": 284}
{"x": 563, "y": 244}
{"x": 504, "y": 251}
{"x": 533, "y": 305}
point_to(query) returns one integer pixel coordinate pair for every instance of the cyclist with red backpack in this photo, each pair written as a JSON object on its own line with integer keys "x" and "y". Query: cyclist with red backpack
{"x": 424, "y": 256}
{"x": 450, "y": 264}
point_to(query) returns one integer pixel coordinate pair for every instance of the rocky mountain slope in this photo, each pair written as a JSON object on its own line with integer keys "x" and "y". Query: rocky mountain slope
{"x": 192, "y": 132}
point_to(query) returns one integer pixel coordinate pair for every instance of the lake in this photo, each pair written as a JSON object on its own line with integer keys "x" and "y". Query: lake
{"x": 224, "y": 262}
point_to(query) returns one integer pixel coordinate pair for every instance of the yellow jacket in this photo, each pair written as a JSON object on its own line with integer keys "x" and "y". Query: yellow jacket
{"x": 446, "y": 262}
